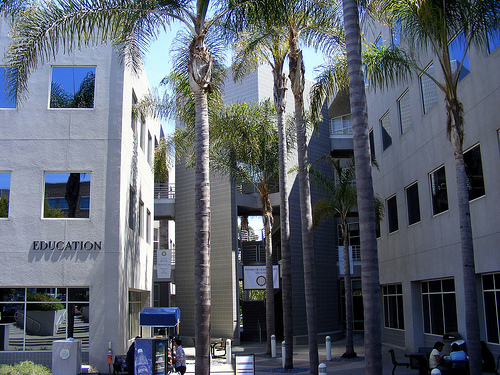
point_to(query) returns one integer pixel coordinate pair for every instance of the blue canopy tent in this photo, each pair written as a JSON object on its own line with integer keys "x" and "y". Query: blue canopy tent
{"x": 163, "y": 317}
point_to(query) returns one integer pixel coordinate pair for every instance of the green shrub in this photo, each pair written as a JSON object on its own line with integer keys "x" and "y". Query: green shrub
{"x": 40, "y": 297}
{"x": 24, "y": 368}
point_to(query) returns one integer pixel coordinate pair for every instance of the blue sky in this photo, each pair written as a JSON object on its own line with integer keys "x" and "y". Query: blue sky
{"x": 158, "y": 62}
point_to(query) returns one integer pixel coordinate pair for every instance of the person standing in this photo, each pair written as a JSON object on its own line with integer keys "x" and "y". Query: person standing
{"x": 180, "y": 357}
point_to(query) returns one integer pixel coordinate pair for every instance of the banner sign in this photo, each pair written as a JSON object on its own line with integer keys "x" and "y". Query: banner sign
{"x": 341, "y": 260}
{"x": 164, "y": 264}
{"x": 254, "y": 277}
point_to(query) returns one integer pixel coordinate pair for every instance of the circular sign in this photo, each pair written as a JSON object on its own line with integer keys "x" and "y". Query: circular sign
{"x": 261, "y": 280}
{"x": 64, "y": 354}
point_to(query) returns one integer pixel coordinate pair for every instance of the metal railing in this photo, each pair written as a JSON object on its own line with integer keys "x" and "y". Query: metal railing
{"x": 164, "y": 191}
{"x": 356, "y": 253}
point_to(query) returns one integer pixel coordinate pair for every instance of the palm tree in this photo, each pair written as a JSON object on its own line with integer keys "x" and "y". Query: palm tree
{"x": 367, "y": 220}
{"x": 245, "y": 146}
{"x": 433, "y": 25}
{"x": 42, "y": 28}
{"x": 340, "y": 200}
{"x": 264, "y": 43}
{"x": 314, "y": 23}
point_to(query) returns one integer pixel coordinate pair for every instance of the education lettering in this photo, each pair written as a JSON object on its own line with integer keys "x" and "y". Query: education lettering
{"x": 66, "y": 245}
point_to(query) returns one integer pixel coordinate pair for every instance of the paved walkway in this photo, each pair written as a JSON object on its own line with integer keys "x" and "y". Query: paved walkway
{"x": 264, "y": 365}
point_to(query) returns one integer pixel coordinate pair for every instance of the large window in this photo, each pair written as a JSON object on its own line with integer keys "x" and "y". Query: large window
{"x": 438, "y": 191}
{"x": 491, "y": 295}
{"x": 341, "y": 125}
{"x": 141, "y": 218}
{"x": 429, "y": 90}
{"x": 385, "y": 126}
{"x": 474, "y": 170}
{"x": 439, "y": 306}
{"x": 392, "y": 214}
{"x": 393, "y": 306}
{"x": 456, "y": 48}
{"x": 5, "y": 100}
{"x": 372, "y": 143}
{"x": 413, "y": 204}
{"x": 67, "y": 195}
{"x": 131, "y": 208}
{"x": 4, "y": 193}
{"x": 35, "y": 317}
{"x": 134, "y": 311}
{"x": 404, "y": 108}
{"x": 72, "y": 87}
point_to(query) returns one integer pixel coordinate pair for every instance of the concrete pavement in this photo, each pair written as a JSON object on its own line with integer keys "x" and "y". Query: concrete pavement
{"x": 264, "y": 365}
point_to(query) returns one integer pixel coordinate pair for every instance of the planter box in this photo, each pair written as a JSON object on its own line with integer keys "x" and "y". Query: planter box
{"x": 41, "y": 323}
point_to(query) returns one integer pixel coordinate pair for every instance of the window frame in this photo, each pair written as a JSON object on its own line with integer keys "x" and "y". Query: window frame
{"x": 392, "y": 219}
{"x": 433, "y": 204}
{"x": 428, "y": 317}
{"x": 394, "y": 293}
{"x": 470, "y": 180}
{"x": 61, "y": 198}
{"x": 7, "y": 193}
{"x": 4, "y": 88}
{"x": 432, "y": 104}
{"x": 387, "y": 129}
{"x": 404, "y": 129}
{"x": 491, "y": 315}
{"x": 408, "y": 213}
{"x": 94, "y": 67}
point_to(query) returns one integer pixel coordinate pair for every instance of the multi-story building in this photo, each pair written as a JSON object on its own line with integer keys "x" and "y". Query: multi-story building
{"x": 76, "y": 237}
{"x": 228, "y": 201}
{"x": 419, "y": 243}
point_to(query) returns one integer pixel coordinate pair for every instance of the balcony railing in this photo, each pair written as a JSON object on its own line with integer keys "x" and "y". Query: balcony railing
{"x": 164, "y": 191}
{"x": 356, "y": 253}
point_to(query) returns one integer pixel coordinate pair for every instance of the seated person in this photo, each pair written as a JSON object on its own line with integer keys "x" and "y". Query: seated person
{"x": 435, "y": 358}
{"x": 458, "y": 354}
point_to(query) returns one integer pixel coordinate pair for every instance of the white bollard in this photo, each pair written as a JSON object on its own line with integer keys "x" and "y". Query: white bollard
{"x": 328, "y": 348}
{"x": 322, "y": 368}
{"x": 283, "y": 354}
{"x": 273, "y": 346}
{"x": 229, "y": 357}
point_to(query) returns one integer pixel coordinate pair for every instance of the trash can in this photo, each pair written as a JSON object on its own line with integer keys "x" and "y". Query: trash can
{"x": 66, "y": 357}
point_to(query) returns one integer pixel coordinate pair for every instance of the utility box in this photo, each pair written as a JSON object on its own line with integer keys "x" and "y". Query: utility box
{"x": 66, "y": 357}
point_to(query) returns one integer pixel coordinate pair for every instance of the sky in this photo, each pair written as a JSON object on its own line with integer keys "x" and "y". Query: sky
{"x": 158, "y": 63}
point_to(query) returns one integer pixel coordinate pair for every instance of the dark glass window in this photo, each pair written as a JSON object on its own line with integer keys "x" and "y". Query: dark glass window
{"x": 413, "y": 204}
{"x": 438, "y": 191}
{"x": 439, "y": 306}
{"x": 491, "y": 297}
{"x": 385, "y": 126}
{"x": 5, "y": 100}
{"x": 131, "y": 209}
{"x": 66, "y": 195}
{"x": 393, "y": 306}
{"x": 72, "y": 87}
{"x": 4, "y": 193}
{"x": 372, "y": 143}
{"x": 392, "y": 214}
{"x": 456, "y": 49}
{"x": 474, "y": 170}
{"x": 35, "y": 317}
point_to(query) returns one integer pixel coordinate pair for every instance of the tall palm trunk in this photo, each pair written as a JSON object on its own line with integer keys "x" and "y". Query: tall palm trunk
{"x": 364, "y": 184}
{"x": 199, "y": 78}
{"x": 455, "y": 110}
{"x": 297, "y": 82}
{"x": 267, "y": 216}
{"x": 349, "y": 342}
{"x": 286, "y": 258}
